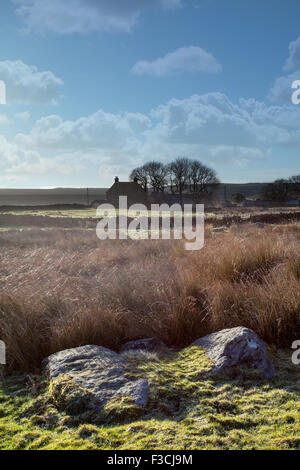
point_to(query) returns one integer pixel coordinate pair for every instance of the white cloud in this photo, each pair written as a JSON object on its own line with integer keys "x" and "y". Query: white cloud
{"x": 16, "y": 163}
{"x": 27, "y": 85}
{"x": 212, "y": 119}
{"x": 24, "y": 116}
{"x": 293, "y": 61}
{"x": 107, "y": 131}
{"x": 209, "y": 127}
{"x": 55, "y": 146}
{"x": 84, "y": 16}
{"x": 216, "y": 156}
{"x": 185, "y": 59}
{"x": 281, "y": 91}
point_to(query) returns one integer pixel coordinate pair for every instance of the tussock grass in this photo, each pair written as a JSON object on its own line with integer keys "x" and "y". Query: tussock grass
{"x": 61, "y": 289}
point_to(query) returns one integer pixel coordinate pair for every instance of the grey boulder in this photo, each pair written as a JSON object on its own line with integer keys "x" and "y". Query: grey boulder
{"x": 98, "y": 370}
{"x": 236, "y": 346}
{"x": 145, "y": 344}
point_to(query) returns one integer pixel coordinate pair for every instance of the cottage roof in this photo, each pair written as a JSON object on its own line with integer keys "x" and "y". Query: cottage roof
{"x": 125, "y": 186}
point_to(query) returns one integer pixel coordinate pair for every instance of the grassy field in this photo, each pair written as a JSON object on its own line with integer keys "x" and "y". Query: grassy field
{"x": 90, "y": 212}
{"x": 65, "y": 288}
{"x": 188, "y": 409}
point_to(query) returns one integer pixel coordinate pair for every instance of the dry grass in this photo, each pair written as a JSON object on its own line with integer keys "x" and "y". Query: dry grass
{"x": 61, "y": 289}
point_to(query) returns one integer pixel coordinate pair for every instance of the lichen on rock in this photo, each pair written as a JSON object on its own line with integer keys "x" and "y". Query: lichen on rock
{"x": 236, "y": 347}
{"x": 88, "y": 378}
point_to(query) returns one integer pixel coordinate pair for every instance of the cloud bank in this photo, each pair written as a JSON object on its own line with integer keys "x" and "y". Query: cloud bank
{"x": 209, "y": 127}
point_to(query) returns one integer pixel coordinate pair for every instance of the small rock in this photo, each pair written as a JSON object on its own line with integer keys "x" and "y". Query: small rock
{"x": 236, "y": 346}
{"x": 146, "y": 344}
{"x": 99, "y": 371}
{"x": 219, "y": 229}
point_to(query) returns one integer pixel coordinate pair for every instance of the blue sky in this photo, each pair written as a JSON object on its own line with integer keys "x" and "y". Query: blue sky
{"x": 97, "y": 87}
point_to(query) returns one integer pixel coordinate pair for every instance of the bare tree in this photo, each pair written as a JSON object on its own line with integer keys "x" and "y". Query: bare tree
{"x": 157, "y": 174}
{"x": 203, "y": 180}
{"x": 181, "y": 175}
{"x": 178, "y": 172}
{"x": 140, "y": 175}
{"x": 294, "y": 181}
{"x": 277, "y": 191}
{"x": 152, "y": 174}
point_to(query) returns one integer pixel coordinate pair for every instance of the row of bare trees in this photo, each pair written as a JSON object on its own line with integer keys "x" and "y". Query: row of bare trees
{"x": 180, "y": 176}
{"x": 282, "y": 189}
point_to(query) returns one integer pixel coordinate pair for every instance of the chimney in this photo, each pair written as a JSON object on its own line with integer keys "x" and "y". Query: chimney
{"x": 117, "y": 179}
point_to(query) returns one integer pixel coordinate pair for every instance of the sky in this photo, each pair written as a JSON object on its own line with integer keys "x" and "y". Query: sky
{"x": 95, "y": 88}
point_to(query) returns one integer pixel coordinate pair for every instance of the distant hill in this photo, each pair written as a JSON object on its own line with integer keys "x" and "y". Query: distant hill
{"x": 34, "y": 197}
{"x": 226, "y": 190}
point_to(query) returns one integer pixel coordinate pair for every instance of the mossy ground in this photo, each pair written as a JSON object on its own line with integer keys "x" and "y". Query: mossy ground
{"x": 188, "y": 409}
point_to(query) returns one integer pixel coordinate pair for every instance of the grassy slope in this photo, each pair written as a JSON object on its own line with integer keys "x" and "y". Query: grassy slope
{"x": 188, "y": 409}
